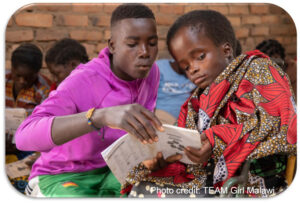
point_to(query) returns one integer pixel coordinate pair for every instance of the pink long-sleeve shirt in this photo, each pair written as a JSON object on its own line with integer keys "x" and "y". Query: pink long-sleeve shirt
{"x": 89, "y": 85}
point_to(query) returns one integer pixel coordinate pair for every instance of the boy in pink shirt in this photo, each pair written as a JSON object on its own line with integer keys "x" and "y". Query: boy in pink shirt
{"x": 95, "y": 105}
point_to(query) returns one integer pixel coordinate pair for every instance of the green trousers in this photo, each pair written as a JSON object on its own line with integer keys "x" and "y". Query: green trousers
{"x": 96, "y": 183}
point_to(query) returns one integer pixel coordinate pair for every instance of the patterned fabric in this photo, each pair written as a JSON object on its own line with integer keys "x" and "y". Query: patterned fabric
{"x": 28, "y": 98}
{"x": 176, "y": 170}
{"x": 248, "y": 112}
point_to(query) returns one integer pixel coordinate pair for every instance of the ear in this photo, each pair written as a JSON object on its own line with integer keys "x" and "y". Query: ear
{"x": 228, "y": 50}
{"x": 74, "y": 63}
{"x": 111, "y": 45}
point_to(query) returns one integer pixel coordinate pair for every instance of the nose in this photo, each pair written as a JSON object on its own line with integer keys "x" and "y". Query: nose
{"x": 22, "y": 81}
{"x": 143, "y": 51}
{"x": 194, "y": 68}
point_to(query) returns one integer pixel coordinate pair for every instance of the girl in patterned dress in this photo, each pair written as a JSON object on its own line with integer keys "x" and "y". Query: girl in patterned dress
{"x": 243, "y": 108}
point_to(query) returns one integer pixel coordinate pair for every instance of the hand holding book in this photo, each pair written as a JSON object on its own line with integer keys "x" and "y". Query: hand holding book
{"x": 128, "y": 151}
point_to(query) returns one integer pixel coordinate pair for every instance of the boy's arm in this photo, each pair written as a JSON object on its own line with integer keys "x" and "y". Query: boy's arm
{"x": 34, "y": 134}
{"x": 39, "y": 131}
{"x": 132, "y": 118}
{"x": 56, "y": 122}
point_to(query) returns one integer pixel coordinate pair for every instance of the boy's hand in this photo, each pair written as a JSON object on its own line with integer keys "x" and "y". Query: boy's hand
{"x": 159, "y": 162}
{"x": 134, "y": 119}
{"x": 201, "y": 155}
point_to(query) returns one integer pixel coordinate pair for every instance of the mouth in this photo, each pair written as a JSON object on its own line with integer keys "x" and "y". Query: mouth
{"x": 144, "y": 66}
{"x": 198, "y": 80}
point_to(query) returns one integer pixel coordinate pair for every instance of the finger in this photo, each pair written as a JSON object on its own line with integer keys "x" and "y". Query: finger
{"x": 156, "y": 165}
{"x": 205, "y": 148}
{"x": 161, "y": 161}
{"x": 203, "y": 137}
{"x": 150, "y": 164}
{"x": 159, "y": 155}
{"x": 138, "y": 127}
{"x": 195, "y": 151}
{"x": 129, "y": 128}
{"x": 151, "y": 116}
{"x": 192, "y": 157}
{"x": 147, "y": 125}
{"x": 199, "y": 155}
{"x": 173, "y": 158}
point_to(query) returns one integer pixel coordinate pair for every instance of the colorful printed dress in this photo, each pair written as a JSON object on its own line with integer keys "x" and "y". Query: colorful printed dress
{"x": 247, "y": 113}
{"x": 28, "y": 98}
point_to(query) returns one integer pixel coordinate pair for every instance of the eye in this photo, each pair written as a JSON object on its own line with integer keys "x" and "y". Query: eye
{"x": 131, "y": 45}
{"x": 153, "y": 43}
{"x": 184, "y": 66}
{"x": 18, "y": 76}
{"x": 201, "y": 56}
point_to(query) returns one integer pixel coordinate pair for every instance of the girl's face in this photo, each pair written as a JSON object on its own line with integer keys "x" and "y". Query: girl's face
{"x": 23, "y": 77}
{"x": 134, "y": 47}
{"x": 60, "y": 72}
{"x": 197, "y": 54}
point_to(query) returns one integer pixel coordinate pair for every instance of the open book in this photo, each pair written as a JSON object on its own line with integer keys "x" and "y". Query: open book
{"x": 127, "y": 152}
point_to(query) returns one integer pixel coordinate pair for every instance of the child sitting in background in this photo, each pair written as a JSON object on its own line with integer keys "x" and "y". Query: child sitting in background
{"x": 25, "y": 88}
{"x": 63, "y": 57}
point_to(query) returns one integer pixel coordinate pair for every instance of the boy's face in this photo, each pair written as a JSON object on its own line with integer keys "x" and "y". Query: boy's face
{"x": 23, "y": 77}
{"x": 134, "y": 47}
{"x": 60, "y": 72}
{"x": 195, "y": 53}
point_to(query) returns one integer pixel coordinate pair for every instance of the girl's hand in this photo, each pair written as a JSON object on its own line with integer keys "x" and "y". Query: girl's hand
{"x": 201, "y": 155}
{"x": 159, "y": 162}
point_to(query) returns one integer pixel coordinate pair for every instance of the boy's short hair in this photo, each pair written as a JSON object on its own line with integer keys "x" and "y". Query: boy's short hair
{"x": 29, "y": 55}
{"x": 215, "y": 26}
{"x": 66, "y": 50}
{"x": 271, "y": 47}
{"x": 133, "y": 10}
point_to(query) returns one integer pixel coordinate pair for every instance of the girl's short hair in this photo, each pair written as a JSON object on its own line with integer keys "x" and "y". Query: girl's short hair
{"x": 215, "y": 26}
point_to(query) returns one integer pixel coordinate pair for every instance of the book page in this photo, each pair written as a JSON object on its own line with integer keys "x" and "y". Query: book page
{"x": 13, "y": 118}
{"x": 127, "y": 152}
{"x": 19, "y": 168}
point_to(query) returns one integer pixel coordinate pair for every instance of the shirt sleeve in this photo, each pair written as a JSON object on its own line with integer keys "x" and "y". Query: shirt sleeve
{"x": 34, "y": 134}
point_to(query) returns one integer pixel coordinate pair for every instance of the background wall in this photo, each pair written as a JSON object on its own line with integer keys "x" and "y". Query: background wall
{"x": 43, "y": 24}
